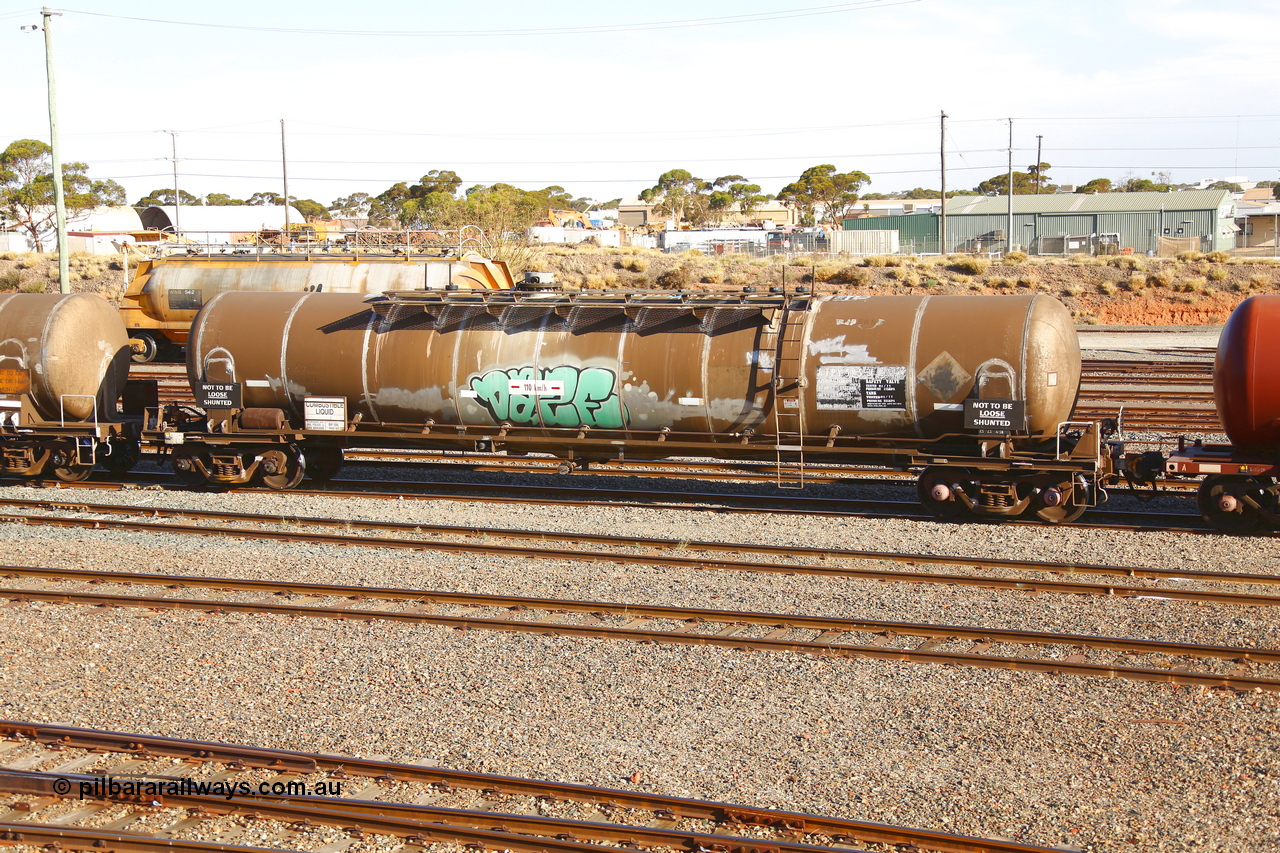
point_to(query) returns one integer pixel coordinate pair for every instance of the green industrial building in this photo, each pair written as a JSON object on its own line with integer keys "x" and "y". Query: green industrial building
{"x": 1071, "y": 223}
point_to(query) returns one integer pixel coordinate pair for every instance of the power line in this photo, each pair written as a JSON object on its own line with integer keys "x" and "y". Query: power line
{"x": 758, "y": 17}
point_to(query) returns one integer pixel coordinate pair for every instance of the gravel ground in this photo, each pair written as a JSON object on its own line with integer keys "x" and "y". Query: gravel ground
{"x": 1044, "y": 759}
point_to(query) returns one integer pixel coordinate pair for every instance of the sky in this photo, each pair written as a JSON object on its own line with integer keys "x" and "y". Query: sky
{"x": 602, "y": 98}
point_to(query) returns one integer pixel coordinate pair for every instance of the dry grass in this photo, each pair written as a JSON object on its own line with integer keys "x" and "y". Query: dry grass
{"x": 1015, "y": 257}
{"x": 969, "y": 264}
{"x": 1107, "y": 288}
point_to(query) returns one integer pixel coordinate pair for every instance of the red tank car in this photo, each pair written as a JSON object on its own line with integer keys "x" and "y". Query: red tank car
{"x": 1239, "y": 490}
{"x": 1246, "y": 375}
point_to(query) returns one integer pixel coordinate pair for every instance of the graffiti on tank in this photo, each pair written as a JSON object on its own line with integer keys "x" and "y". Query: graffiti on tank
{"x": 562, "y": 396}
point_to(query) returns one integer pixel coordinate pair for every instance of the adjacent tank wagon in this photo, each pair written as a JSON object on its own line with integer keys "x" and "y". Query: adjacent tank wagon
{"x": 1239, "y": 489}
{"x": 976, "y": 390}
{"x": 167, "y": 293}
{"x": 64, "y": 364}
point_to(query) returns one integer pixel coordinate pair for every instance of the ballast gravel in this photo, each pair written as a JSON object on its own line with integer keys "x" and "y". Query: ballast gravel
{"x": 1053, "y": 760}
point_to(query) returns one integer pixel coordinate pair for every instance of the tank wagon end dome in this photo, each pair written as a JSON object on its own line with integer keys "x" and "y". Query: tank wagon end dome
{"x": 75, "y": 347}
{"x": 1246, "y": 374}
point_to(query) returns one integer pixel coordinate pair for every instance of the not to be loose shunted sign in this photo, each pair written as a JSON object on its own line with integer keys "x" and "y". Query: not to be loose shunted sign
{"x": 995, "y": 417}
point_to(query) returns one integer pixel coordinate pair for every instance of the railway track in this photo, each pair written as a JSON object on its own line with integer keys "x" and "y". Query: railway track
{"x": 414, "y": 805}
{"x": 666, "y": 553}
{"x": 956, "y": 645}
{"x": 592, "y": 495}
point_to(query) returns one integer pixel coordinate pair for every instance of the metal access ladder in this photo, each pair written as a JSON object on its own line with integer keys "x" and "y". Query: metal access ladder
{"x": 788, "y": 398}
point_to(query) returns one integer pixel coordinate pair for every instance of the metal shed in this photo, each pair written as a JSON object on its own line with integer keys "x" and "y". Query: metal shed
{"x": 1071, "y": 223}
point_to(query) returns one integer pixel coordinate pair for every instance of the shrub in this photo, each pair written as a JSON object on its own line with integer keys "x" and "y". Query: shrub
{"x": 851, "y": 274}
{"x": 1260, "y": 281}
{"x": 1107, "y": 288}
{"x": 971, "y": 264}
{"x": 910, "y": 278}
{"x": 11, "y": 280}
{"x": 1072, "y": 290}
{"x": 1134, "y": 283}
{"x": 1190, "y": 257}
{"x": 691, "y": 253}
{"x": 961, "y": 279}
{"x": 27, "y": 260}
{"x": 1163, "y": 278}
{"x": 1189, "y": 285}
{"x": 826, "y": 272}
{"x": 1029, "y": 281}
{"x": 875, "y": 261}
{"x": 738, "y": 278}
{"x": 1126, "y": 262}
{"x": 635, "y": 264}
{"x": 673, "y": 278}
{"x": 1218, "y": 257}
{"x": 711, "y": 275}
{"x": 8, "y": 256}
{"x": 999, "y": 281}
{"x": 33, "y": 287}
{"x": 1217, "y": 274}
{"x": 594, "y": 282}
{"x": 1015, "y": 257}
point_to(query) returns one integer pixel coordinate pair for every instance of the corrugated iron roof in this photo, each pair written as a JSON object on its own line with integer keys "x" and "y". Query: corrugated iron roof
{"x": 1089, "y": 203}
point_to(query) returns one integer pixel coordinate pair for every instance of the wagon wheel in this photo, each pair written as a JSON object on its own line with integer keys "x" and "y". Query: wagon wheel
{"x": 184, "y": 468}
{"x": 282, "y": 468}
{"x": 1221, "y": 501}
{"x": 150, "y": 348}
{"x": 123, "y": 454}
{"x": 1054, "y": 506}
{"x": 323, "y": 463}
{"x": 937, "y": 491}
{"x": 71, "y": 473}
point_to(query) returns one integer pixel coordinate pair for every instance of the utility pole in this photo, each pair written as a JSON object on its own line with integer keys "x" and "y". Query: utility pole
{"x": 942, "y": 230}
{"x": 284, "y": 166}
{"x": 177, "y": 201}
{"x": 59, "y": 192}
{"x": 1008, "y": 236}
{"x": 1039, "y": 177}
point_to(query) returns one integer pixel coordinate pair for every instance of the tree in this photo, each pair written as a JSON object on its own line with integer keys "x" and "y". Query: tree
{"x": 222, "y": 200}
{"x": 1024, "y": 183}
{"x": 920, "y": 192}
{"x": 679, "y": 195}
{"x": 27, "y": 189}
{"x": 732, "y": 192}
{"x": 164, "y": 198}
{"x": 1225, "y": 185}
{"x": 309, "y": 208}
{"x": 822, "y": 187}
{"x": 1097, "y": 185}
{"x": 351, "y": 206}
{"x": 265, "y": 198}
{"x": 1039, "y": 179}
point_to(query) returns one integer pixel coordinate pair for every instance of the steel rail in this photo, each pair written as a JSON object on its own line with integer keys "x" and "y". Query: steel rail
{"x": 97, "y": 840}
{"x": 469, "y": 531}
{"x": 840, "y": 829}
{"x": 782, "y": 624}
{"x": 822, "y": 624}
{"x": 424, "y": 823}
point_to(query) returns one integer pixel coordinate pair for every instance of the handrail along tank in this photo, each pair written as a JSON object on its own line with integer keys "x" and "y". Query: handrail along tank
{"x": 891, "y": 366}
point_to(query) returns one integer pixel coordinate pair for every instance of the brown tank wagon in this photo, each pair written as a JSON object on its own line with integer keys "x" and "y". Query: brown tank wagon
{"x": 64, "y": 364}
{"x": 167, "y": 293}
{"x": 978, "y": 391}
